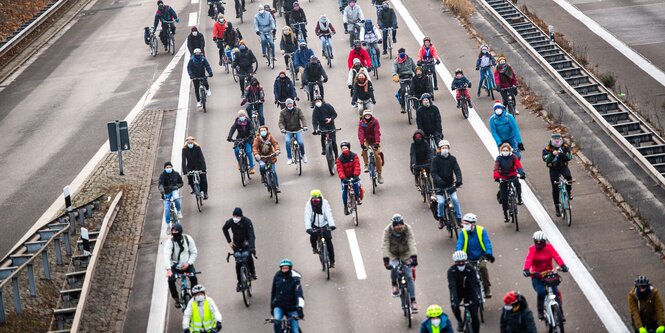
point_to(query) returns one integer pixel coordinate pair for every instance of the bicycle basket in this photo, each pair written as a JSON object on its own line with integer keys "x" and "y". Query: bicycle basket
{"x": 241, "y": 257}
{"x": 551, "y": 279}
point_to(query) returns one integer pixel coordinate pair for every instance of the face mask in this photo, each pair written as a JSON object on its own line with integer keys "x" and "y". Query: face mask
{"x": 643, "y": 294}
{"x": 385, "y": 7}
{"x": 177, "y": 236}
{"x": 242, "y": 48}
{"x": 168, "y": 170}
{"x": 402, "y": 55}
{"x": 436, "y": 322}
{"x": 190, "y": 145}
{"x": 484, "y": 51}
{"x": 256, "y": 84}
{"x": 220, "y": 21}
{"x": 459, "y": 76}
{"x": 263, "y": 133}
{"x": 505, "y": 153}
{"x": 194, "y": 33}
{"x": 346, "y": 152}
{"x": 444, "y": 152}
{"x": 282, "y": 77}
{"x": 357, "y": 49}
{"x": 290, "y": 107}
{"x": 426, "y": 104}
{"x": 507, "y": 307}
{"x": 460, "y": 267}
{"x": 557, "y": 143}
{"x": 466, "y": 227}
{"x": 199, "y": 298}
{"x": 242, "y": 118}
{"x": 367, "y": 119}
{"x": 303, "y": 47}
{"x": 318, "y": 104}
{"x": 236, "y": 219}
{"x": 396, "y": 234}
{"x": 498, "y": 112}
{"x": 161, "y": 7}
{"x": 316, "y": 202}
{"x": 540, "y": 245}
{"x": 261, "y": 11}
{"x": 418, "y": 74}
{"x": 502, "y": 62}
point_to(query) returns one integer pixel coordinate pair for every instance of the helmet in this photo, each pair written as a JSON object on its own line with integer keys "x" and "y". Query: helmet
{"x": 434, "y": 311}
{"x": 459, "y": 256}
{"x": 286, "y": 262}
{"x": 425, "y": 96}
{"x": 316, "y": 193}
{"x": 295, "y": 3}
{"x": 302, "y": 43}
{"x": 641, "y": 281}
{"x": 397, "y": 219}
{"x": 199, "y": 288}
{"x": 266, "y": 6}
{"x": 357, "y": 42}
{"x": 501, "y": 58}
{"x": 288, "y": 101}
{"x": 177, "y": 227}
{"x": 447, "y": 143}
{"x": 197, "y": 51}
{"x": 470, "y": 217}
{"x": 539, "y": 236}
{"x": 313, "y": 58}
{"x": 261, "y": 7}
{"x": 367, "y": 112}
{"x": 459, "y": 71}
{"x": 345, "y": 143}
{"x": 510, "y": 297}
{"x": 427, "y": 39}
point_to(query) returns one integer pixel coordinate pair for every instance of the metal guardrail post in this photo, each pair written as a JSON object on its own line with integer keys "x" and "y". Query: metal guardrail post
{"x": 82, "y": 212}
{"x": 72, "y": 223}
{"x": 47, "y": 271}
{"x": 88, "y": 210}
{"x": 68, "y": 245}
{"x": 58, "y": 251}
{"x": 17, "y": 294}
{"x": 31, "y": 280}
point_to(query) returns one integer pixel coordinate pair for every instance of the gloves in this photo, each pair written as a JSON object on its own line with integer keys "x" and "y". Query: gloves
{"x": 458, "y": 184}
{"x": 304, "y": 129}
{"x": 301, "y": 313}
{"x": 363, "y": 147}
{"x": 257, "y": 157}
{"x": 243, "y": 102}
{"x": 186, "y": 330}
{"x": 490, "y": 257}
{"x": 438, "y": 62}
{"x": 219, "y": 326}
{"x": 309, "y": 231}
{"x": 252, "y": 251}
{"x": 229, "y": 139}
{"x": 520, "y": 146}
{"x": 386, "y": 263}
{"x": 526, "y": 273}
{"x": 315, "y": 132}
{"x": 414, "y": 261}
{"x": 210, "y": 74}
{"x": 333, "y": 228}
{"x": 163, "y": 196}
{"x": 277, "y": 153}
{"x": 354, "y": 105}
{"x": 283, "y": 131}
{"x": 643, "y": 330}
{"x": 214, "y": 39}
{"x": 177, "y": 20}
{"x": 376, "y": 146}
{"x": 523, "y": 175}
{"x": 395, "y": 78}
{"x": 297, "y": 98}
{"x": 477, "y": 68}
{"x": 373, "y": 101}
{"x": 419, "y": 63}
{"x": 564, "y": 268}
{"x": 380, "y": 41}
{"x": 274, "y": 31}
{"x": 258, "y": 33}
{"x": 660, "y": 329}
{"x": 454, "y": 304}
{"x": 325, "y": 79}
{"x": 348, "y": 85}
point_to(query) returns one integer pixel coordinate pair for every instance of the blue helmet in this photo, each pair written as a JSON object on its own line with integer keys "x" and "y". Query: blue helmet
{"x": 286, "y": 262}
{"x": 368, "y": 25}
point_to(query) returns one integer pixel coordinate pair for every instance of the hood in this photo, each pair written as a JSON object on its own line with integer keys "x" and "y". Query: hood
{"x": 413, "y": 137}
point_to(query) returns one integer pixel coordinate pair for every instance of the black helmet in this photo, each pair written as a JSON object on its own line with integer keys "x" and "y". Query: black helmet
{"x": 177, "y": 227}
{"x": 345, "y": 143}
{"x": 425, "y": 96}
{"x": 642, "y": 281}
{"x": 459, "y": 71}
{"x": 357, "y": 42}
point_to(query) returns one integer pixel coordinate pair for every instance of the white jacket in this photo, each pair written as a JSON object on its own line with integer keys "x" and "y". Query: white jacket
{"x": 187, "y": 253}
{"x": 371, "y": 37}
{"x": 320, "y": 220}
{"x": 188, "y": 312}
{"x": 353, "y": 15}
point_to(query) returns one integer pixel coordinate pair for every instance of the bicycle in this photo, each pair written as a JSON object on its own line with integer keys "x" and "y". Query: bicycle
{"x": 388, "y": 40}
{"x": 298, "y": 30}
{"x": 170, "y": 39}
{"x": 433, "y": 144}
{"x": 553, "y": 314}
{"x": 315, "y": 88}
{"x": 487, "y": 82}
{"x": 226, "y": 62}
{"x": 371, "y": 167}
{"x": 291, "y": 67}
{"x": 242, "y": 258}
{"x": 464, "y": 102}
{"x": 153, "y": 43}
{"x": 217, "y": 7}
{"x": 362, "y": 105}
{"x": 202, "y": 91}
{"x": 449, "y": 218}
{"x": 270, "y": 52}
{"x": 510, "y": 97}
{"x": 466, "y": 323}
{"x": 354, "y": 33}
{"x": 402, "y": 286}
{"x": 425, "y": 184}
{"x": 512, "y": 201}
{"x": 331, "y": 155}
{"x": 270, "y": 178}
{"x": 278, "y": 4}
{"x": 374, "y": 58}
{"x": 324, "y": 255}
{"x": 429, "y": 66}
{"x": 351, "y": 200}
{"x": 327, "y": 50}
{"x": 243, "y": 160}
{"x": 476, "y": 266}
{"x": 295, "y": 151}
{"x": 239, "y": 10}
{"x": 251, "y": 107}
{"x": 173, "y": 212}
{"x": 185, "y": 290}
{"x": 406, "y": 96}
{"x": 197, "y": 187}
{"x": 411, "y": 107}
{"x": 564, "y": 199}
{"x": 286, "y": 323}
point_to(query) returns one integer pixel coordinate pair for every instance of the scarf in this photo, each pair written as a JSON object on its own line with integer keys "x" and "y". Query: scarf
{"x": 365, "y": 85}
{"x": 505, "y": 72}
{"x": 324, "y": 26}
{"x": 401, "y": 61}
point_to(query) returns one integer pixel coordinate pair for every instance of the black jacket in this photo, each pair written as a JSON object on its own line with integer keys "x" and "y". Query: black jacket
{"x": 288, "y": 44}
{"x": 463, "y": 285}
{"x": 192, "y": 159}
{"x": 244, "y": 132}
{"x": 420, "y": 85}
{"x": 387, "y": 18}
{"x": 288, "y": 5}
{"x": 320, "y": 114}
{"x": 245, "y": 60}
{"x": 169, "y": 182}
{"x": 520, "y": 321}
{"x": 314, "y": 72}
{"x": 232, "y": 36}
{"x": 360, "y": 94}
{"x": 286, "y": 291}
{"x": 198, "y": 66}
{"x": 298, "y": 16}
{"x": 443, "y": 169}
{"x": 428, "y": 119}
{"x": 421, "y": 153}
{"x": 283, "y": 89}
{"x": 196, "y": 42}
{"x": 243, "y": 233}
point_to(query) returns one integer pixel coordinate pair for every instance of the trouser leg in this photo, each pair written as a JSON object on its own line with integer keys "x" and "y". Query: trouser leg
{"x": 484, "y": 272}
{"x": 503, "y": 188}
{"x": 197, "y": 83}
{"x": 377, "y": 160}
{"x": 313, "y": 237}
{"x": 203, "y": 182}
{"x": 327, "y": 236}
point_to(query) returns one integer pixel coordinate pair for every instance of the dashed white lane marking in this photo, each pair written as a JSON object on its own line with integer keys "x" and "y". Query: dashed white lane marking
{"x": 194, "y": 2}
{"x": 586, "y": 282}
{"x": 193, "y": 19}
{"x": 355, "y": 254}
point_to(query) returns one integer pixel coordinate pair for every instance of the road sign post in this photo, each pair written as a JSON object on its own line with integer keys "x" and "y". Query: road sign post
{"x": 118, "y": 139}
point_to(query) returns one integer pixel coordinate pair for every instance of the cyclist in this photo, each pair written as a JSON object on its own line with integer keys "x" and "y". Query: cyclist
{"x": 240, "y": 7}
{"x": 218, "y": 30}
{"x": 211, "y": 8}
{"x": 475, "y": 242}
{"x": 264, "y": 25}
{"x": 387, "y": 19}
{"x": 288, "y": 45}
{"x": 538, "y": 260}
{"x": 556, "y": 155}
{"x": 314, "y": 74}
{"x": 484, "y": 63}
{"x": 323, "y": 118}
{"x": 180, "y": 253}
{"x": 428, "y": 118}
{"x": 197, "y": 67}
{"x": 506, "y": 167}
{"x": 516, "y": 316}
{"x": 428, "y": 58}
{"x": 325, "y": 30}
{"x": 243, "y": 240}
{"x": 318, "y": 215}
{"x": 192, "y": 321}
{"x": 371, "y": 36}
{"x": 505, "y": 78}
{"x": 292, "y": 119}
{"x": 436, "y": 322}
{"x": 403, "y": 69}
{"x": 195, "y": 41}
{"x": 255, "y": 95}
{"x": 351, "y": 16}
{"x": 298, "y": 20}
{"x": 369, "y": 134}
{"x": 399, "y": 243}
{"x": 246, "y": 130}
{"x": 353, "y": 72}
{"x": 358, "y": 52}
{"x": 504, "y": 129}
{"x": 301, "y": 58}
{"x": 363, "y": 91}
{"x": 266, "y": 145}
{"x": 348, "y": 170}
{"x": 446, "y": 173}
{"x": 420, "y": 84}
{"x": 231, "y": 39}
{"x": 193, "y": 160}
{"x": 460, "y": 85}
{"x": 421, "y": 155}
{"x": 646, "y": 307}
{"x": 272, "y": 12}
{"x": 169, "y": 183}
{"x": 244, "y": 61}
{"x": 286, "y": 296}
{"x": 164, "y": 14}
{"x": 287, "y": 5}
{"x": 463, "y": 285}
{"x": 284, "y": 89}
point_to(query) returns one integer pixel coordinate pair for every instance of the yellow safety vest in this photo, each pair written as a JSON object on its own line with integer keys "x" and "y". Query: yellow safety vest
{"x": 195, "y": 322}
{"x": 479, "y": 232}
{"x": 436, "y": 329}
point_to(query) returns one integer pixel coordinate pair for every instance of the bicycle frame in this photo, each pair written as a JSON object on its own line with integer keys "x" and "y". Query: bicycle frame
{"x": 298, "y": 30}
{"x": 315, "y": 88}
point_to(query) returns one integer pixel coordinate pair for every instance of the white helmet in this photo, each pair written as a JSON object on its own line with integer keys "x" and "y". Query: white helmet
{"x": 470, "y": 217}
{"x": 197, "y": 51}
{"x": 199, "y": 288}
{"x": 459, "y": 256}
{"x": 539, "y": 236}
{"x": 444, "y": 143}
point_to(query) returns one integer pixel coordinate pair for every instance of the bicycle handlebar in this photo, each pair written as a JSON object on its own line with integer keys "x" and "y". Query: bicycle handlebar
{"x": 200, "y": 78}
{"x": 319, "y": 131}
{"x": 196, "y": 172}
{"x": 298, "y": 131}
{"x": 185, "y": 274}
{"x": 230, "y": 254}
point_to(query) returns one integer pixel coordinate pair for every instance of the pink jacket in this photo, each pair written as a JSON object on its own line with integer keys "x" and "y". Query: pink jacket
{"x": 541, "y": 260}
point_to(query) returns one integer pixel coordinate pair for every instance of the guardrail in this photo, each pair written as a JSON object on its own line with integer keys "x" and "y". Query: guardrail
{"x": 28, "y": 27}
{"x": 627, "y": 128}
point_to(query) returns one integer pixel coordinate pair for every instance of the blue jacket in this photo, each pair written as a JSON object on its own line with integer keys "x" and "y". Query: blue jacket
{"x": 446, "y": 325}
{"x": 264, "y": 22}
{"x": 284, "y": 89}
{"x": 504, "y": 129}
{"x": 301, "y": 57}
{"x": 167, "y": 15}
{"x": 474, "y": 250}
{"x": 459, "y": 83}
{"x": 198, "y": 67}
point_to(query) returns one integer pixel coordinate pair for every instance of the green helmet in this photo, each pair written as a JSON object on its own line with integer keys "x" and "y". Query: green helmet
{"x": 286, "y": 262}
{"x": 434, "y": 311}
{"x": 316, "y": 193}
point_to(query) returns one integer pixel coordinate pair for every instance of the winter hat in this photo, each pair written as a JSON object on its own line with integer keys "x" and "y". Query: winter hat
{"x": 194, "y": 29}
{"x": 242, "y": 113}
{"x": 237, "y": 211}
{"x": 356, "y": 61}
{"x": 484, "y": 47}
{"x": 168, "y": 163}
{"x": 367, "y": 112}
{"x": 498, "y": 105}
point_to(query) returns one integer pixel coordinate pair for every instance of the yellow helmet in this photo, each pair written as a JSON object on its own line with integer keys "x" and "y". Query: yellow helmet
{"x": 434, "y": 311}
{"x": 316, "y": 193}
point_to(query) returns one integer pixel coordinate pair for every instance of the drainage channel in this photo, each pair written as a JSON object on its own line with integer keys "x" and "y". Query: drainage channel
{"x": 600, "y": 100}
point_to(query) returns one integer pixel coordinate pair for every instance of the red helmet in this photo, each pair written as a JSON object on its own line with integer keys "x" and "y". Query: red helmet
{"x": 510, "y": 298}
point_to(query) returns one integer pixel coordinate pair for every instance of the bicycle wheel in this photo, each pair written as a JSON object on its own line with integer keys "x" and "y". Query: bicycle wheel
{"x": 423, "y": 188}
{"x": 558, "y": 319}
{"x": 241, "y": 19}
{"x": 409, "y": 111}
{"x": 513, "y": 212}
{"x": 373, "y": 185}
{"x": 153, "y": 46}
{"x": 566, "y": 211}
{"x": 450, "y": 217}
{"x": 326, "y": 260}
{"x": 204, "y": 99}
{"x": 330, "y": 159}
{"x": 355, "y": 213}
{"x": 172, "y": 45}
{"x": 274, "y": 189}
{"x": 199, "y": 198}
{"x": 390, "y": 48}
{"x": 406, "y": 305}
{"x": 244, "y": 278}
{"x": 298, "y": 159}
{"x": 511, "y": 109}
{"x": 185, "y": 298}
{"x": 234, "y": 72}
{"x": 465, "y": 109}
{"x": 375, "y": 71}
{"x": 481, "y": 310}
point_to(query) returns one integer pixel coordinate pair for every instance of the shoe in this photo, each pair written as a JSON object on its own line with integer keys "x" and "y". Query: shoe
{"x": 177, "y": 304}
{"x": 315, "y": 250}
{"x": 380, "y": 179}
{"x": 458, "y": 104}
{"x": 346, "y": 212}
{"x": 541, "y": 315}
{"x": 395, "y": 291}
{"x": 263, "y": 179}
{"x": 384, "y": 52}
{"x": 323, "y": 152}
{"x": 332, "y": 265}
{"x": 436, "y": 88}
{"x": 519, "y": 201}
{"x": 558, "y": 211}
{"x": 208, "y": 92}
{"x": 199, "y": 105}
{"x": 488, "y": 294}
{"x": 238, "y": 288}
{"x": 470, "y": 105}
{"x": 394, "y": 40}
{"x": 289, "y": 161}
{"x": 179, "y": 215}
{"x": 460, "y": 327}
{"x": 168, "y": 231}
{"x": 478, "y": 94}
{"x": 205, "y": 195}
{"x": 278, "y": 190}
{"x": 304, "y": 158}
{"x": 505, "y": 217}
{"x": 517, "y": 111}
{"x": 414, "y": 307}
{"x": 570, "y": 196}
{"x": 359, "y": 202}
{"x": 440, "y": 226}
{"x": 402, "y": 110}
{"x": 254, "y": 277}
{"x": 244, "y": 10}
{"x": 192, "y": 192}
{"x": 366, "y": 168}
{"x": 251, "y": 171}
{"x": 238, "y": 16}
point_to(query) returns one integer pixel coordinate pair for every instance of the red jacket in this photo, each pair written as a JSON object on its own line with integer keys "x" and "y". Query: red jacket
{"x": 541, "y": 260}
{"x": 370, "y": 132}
{"x": 512, "y": 80}
{"x": 431, "y": 56}
{"x": 365, "y": 61}
{"x": 348, "y": 167}
{"x": 218, "y": 30}
{"x": 507, "y": 167}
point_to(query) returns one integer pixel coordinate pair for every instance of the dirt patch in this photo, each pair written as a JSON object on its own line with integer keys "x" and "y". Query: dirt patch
{"x": 14, "y": 13}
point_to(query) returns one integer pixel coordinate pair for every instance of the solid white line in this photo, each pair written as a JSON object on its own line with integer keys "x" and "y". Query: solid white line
{"x": 193, "y": 19}
{"x": 355, "y": 254}
{"x": 584, "y": 279}
{"x": 641, "y": 62}
{"x": 195, "y": 2}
